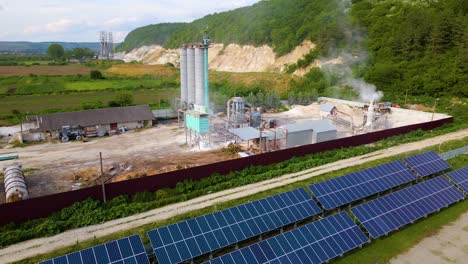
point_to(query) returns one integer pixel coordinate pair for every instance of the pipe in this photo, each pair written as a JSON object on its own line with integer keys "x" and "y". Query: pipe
{"x": 15, "y": 184}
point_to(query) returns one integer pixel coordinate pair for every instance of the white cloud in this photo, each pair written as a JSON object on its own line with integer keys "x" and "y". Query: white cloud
{"x": 73, "y": 20}
{"x": 61, "y": 25}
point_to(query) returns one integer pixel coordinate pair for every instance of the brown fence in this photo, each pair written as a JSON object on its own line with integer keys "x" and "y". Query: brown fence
{"x": 45, "y": 205}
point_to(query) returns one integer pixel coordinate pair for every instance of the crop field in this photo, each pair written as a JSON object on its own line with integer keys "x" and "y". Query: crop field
{"x": 40, "y": 103}
{"x": 141, "y": 70}
{"x": 43, "y": 70}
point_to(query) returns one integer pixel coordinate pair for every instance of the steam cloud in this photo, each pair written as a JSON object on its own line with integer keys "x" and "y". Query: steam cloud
{"x": 341, "y": 62}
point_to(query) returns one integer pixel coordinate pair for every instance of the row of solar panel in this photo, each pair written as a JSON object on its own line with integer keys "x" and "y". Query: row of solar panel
{"x": 127, "y": 250}
{"x": 317, "y": 242}
{"x": 194, "y": 237}
{"x": 289, "y": 207}
{"x": 356, "y": 186}
{"x": 323, "y": 240}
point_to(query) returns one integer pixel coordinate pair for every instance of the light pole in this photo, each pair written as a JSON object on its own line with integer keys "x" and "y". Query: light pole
{"x": 434, "y": 108}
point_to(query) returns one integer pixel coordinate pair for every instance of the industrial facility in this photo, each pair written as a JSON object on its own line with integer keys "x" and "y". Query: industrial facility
{"x": 260, "y": 130}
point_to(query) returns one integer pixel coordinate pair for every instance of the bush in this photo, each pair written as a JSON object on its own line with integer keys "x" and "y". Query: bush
{"x": 96, "y": 75}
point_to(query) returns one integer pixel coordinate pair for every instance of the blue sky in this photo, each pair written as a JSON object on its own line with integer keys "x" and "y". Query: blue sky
{"x": 81, "y": 20}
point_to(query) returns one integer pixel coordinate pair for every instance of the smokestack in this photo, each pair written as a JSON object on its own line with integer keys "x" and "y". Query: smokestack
{"x": 370, "y": 113}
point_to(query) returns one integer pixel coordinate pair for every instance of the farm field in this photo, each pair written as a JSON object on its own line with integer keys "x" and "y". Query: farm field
{"x": 43, "y": 70}
{"x": 39, "y": 103}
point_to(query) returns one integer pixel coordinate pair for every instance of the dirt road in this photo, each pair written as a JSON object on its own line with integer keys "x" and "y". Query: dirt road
{"x": 450, "y": 245}
{"x": 42, "y": 245}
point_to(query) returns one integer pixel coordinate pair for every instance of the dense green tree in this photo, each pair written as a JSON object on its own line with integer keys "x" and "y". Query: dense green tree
{"x": 55, "y": 52}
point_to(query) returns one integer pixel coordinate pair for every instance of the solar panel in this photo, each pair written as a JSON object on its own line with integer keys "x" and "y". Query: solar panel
{"x": 397, "y": 209}
{"x": 126, "y": 250}
{"x": 317, "y": 242}
{"x": 355, "y": 186}
{"x": 460, "y": 178}
{"x": 427, "y": 163}
{"x": 195, "y": 237}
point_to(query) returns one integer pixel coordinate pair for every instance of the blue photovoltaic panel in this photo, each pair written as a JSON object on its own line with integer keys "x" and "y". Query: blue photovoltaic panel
{"x": 397, "y": 209}
{"x": 195, "y": 237}
{"x": 127, "y": 250}
{"x": 427, "y": 163}
{"x": 460, "y": 178}
{"x": 317, "y": 242}
{"x": 355, "y": 186}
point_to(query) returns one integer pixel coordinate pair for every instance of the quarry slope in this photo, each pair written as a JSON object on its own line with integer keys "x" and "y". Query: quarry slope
{"x": 38, "y": 246}
{"x": 231, "y": 57}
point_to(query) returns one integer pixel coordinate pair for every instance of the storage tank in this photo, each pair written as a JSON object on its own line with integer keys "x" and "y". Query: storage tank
{"x": 15, "y": 184}
{"x": 183, "y": 74}
{"x": 190, "y": 75}
{"x": 199, "y": 77}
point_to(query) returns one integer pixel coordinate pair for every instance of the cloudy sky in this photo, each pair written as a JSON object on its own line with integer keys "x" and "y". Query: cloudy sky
{"x": 81, "y": 20}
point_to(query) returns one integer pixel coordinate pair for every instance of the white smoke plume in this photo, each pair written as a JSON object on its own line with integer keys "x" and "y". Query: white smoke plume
{"x": 339, "y": 65}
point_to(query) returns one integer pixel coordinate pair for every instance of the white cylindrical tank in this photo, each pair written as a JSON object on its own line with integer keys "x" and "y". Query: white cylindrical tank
{"x": 191, "y": 75}
{"x": 199, "y": 77}
{"x": 15, "y": 184}
{"x": 183, "y": 75}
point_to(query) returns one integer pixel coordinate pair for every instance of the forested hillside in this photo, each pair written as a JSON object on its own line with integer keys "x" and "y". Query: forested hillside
{"x": 282, "y": 24}
{"x": 419, "y": 46}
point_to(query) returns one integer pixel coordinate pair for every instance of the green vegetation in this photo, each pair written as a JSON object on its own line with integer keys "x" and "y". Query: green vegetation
{"x": 278, "y": 23}
{"x": 416, "y": 47}
{"x": 370, "y": 253}
{"x": 150, "y": 35}
{"x": 56, "y": 52}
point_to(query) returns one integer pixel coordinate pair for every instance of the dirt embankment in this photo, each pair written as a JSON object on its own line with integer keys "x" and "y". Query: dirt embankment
{"x": 231, "y": 58}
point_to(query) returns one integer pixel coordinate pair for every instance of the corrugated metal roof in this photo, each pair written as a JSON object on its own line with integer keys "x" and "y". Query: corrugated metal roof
{"x": 316, "y": 125}
{"x": 95, "y": 117}
{"x": 246, "y": 133}
{"x": 326, "y": 107}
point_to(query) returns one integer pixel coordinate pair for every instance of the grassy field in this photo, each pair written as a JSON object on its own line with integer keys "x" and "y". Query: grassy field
{"x": 41, "y": 103}
{"x": 43, "y": 70}
{"x": 379, "y": 251}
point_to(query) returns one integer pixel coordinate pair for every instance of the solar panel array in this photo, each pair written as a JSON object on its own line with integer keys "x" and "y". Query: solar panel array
{"x": 392, "y": 211}
{"x": 127, "y": 250}
{"x": 460, "y": 178}
{"x": 194, "y": 237}
{"x": 317, "y": 242}
{"x": 355, "y": 186}
{"x": 427, "y": 163}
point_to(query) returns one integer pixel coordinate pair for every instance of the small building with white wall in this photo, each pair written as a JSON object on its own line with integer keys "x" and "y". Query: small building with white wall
{"x": 309, "y": 132}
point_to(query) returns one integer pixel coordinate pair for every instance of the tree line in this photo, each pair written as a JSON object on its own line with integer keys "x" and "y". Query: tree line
{"x": 56, "y": 52}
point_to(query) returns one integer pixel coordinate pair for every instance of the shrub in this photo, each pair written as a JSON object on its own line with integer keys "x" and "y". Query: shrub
{"x": 96, "y": 75}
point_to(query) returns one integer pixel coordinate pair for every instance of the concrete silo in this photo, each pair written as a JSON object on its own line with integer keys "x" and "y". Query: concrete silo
{"x": 191, "y": 75}
{"x": 183, "y": 75}
{"x": 199, "y": 77}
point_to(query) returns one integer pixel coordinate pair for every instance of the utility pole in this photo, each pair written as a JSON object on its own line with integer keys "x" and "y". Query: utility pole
{"x": 102, "y": 179}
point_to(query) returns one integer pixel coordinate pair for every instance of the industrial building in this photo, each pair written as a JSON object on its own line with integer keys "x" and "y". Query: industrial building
{"x": 108, "y": 119}
{"x": 309, "y": 132}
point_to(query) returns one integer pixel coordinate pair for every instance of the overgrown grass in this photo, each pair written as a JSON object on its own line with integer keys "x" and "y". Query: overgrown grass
{"x": 379, "y": 251}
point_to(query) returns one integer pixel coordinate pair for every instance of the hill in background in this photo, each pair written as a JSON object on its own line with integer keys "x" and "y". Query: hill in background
{"x": 41, "y": 47}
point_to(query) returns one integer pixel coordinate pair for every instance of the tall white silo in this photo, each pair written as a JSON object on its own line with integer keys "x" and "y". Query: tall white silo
{"x": 183, "y": 75}
{"x": 191, "y": 75}
{"x": 199, "y": 77}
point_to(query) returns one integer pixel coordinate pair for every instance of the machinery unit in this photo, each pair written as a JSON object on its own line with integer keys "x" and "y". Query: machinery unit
{"x": 255, "y": 119}
{"x": 236, "y": 111}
